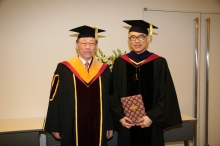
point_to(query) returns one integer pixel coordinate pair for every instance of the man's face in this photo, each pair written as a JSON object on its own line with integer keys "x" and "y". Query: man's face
{"x": 138, "y": 41}
{"x": 86, "y": 47}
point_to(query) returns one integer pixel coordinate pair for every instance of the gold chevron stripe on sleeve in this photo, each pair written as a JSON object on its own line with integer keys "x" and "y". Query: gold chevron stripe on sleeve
{"x": 54, "y": 86}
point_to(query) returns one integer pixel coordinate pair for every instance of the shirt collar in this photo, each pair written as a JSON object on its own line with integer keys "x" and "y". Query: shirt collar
{"x": 139, "y": 57}
{"x": 83, "y": 61}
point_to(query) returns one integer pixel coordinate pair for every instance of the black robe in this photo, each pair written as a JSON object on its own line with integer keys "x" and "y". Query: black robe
{"x": 79, "y": 110}
{"x": 151, "y": 78}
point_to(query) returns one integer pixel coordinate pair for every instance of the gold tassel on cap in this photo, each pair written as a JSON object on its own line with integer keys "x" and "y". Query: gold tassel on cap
{"x": 151, "y": 28}
{"x": 96, "y": 32}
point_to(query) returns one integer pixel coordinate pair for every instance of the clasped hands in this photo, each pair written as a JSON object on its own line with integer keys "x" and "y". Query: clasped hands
{"x": 145, "y": 121}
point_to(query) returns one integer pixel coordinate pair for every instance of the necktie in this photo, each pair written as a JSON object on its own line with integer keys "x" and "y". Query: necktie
{"x": 87, "y": 66}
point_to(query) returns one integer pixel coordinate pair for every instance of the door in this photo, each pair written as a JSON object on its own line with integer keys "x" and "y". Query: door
{"x": 210, "y": 80}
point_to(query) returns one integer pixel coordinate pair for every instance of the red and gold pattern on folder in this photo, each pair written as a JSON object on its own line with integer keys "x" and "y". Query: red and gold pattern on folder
{"x": 133, "y": 107}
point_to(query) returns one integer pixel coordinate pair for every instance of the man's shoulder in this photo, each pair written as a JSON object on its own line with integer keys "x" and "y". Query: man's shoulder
{"x": 159, "y": 58}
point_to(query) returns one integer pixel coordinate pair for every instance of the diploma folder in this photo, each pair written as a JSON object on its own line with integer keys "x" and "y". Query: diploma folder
{"x": 133, "y": 107}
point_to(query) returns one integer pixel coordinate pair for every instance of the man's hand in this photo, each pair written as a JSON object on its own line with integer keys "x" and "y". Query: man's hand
{"x": 109, "y": 134}
{"x": 145, "y": 121}
{"x": 126, "y": 122}
{"x": 56, "y": 135}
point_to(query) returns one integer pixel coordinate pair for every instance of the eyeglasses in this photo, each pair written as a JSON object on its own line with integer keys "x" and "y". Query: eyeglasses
{"x": 140, "y": 37}
{"x": 91, "y": 44}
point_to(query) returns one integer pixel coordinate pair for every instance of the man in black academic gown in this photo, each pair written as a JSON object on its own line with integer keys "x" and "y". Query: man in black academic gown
{"x": 78, "y": 111}
{"x": 145, "y": 73}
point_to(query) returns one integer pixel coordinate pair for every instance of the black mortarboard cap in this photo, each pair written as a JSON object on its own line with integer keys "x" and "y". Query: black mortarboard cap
{"x": 87, "y": 31}
{"x": 139, "y": 26}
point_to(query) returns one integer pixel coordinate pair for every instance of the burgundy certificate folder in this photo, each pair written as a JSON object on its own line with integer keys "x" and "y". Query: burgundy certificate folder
{"x": 133, "y": 107}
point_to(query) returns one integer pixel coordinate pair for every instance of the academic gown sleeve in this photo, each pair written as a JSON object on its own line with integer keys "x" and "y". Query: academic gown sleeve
{"x": 109, "y": 120}
{"x": 52, "y": 120}
{"x": 116, "y": 106}
{"x": 165, "y": 110}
